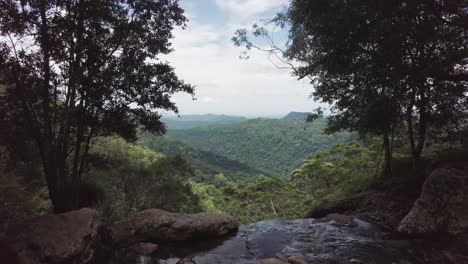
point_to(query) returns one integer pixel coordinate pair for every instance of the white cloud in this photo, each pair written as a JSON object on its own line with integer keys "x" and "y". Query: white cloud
{"x": 205, "y": 57}
{"x": 207, "y": 99}
{"x": 245, "y": 8}
{"x": 196, "y": 36}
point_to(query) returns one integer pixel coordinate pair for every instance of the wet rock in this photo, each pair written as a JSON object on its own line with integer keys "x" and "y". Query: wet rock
{"x": 64, "y": 238}
{"x": 282, "y": 256}
{"x": 7, "y": 254}
{"x": 134, "y": 253}
{"x": 144, "y": 249}
{"x": 344, "y": 206}
{"x": 185, "y": 261}
{"x": 282, "y": 241}
{"x": 339, "y": 218}
{"x": 272, "y": 261}
{"x": 159, "y": 225}
{"x": 297, "y": 260}
{"x": 169, "y": 261}
{"x": 442, "y": 206}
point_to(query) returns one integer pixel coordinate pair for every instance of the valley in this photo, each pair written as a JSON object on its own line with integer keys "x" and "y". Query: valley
{"x": 250, "y": 147}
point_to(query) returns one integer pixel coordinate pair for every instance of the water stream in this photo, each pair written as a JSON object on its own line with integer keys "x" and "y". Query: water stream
{"x": 317, "y": 241}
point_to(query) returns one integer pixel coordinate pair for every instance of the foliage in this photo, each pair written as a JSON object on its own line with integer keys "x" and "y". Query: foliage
{"x": 381, "y": 65}
{"x": 210, "y": 196}
{"x": 252, "y": 201}
{"x": 299, "y": 116}
{"x": 135, "y": 178}
{"x": 345, "y": 169}
{"x": 20, "y": 197}
{"x": 74, "y": 70}
{"x": 19, "y": 203}
{"x": 266, "y": 198}
{"x": 250, "y": 196}
{"x": 328, "y": 175}
{"x": 275, "y": 146}
{"x": 206, "y": 164}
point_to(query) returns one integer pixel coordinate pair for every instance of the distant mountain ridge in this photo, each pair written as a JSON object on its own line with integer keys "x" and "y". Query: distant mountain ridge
{"x": 276, "y": 146}
{"x": 298, "y": 116}
{"x": 240, "y": 147}
{"x": 190, "y": 121}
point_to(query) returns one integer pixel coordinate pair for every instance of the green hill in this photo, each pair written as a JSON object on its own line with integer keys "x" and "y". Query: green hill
{"x": 298, "y": 116}
{"x": 276, "y": 146}
{"x": 205, "y": 163}
{"x": 190, "y": 121}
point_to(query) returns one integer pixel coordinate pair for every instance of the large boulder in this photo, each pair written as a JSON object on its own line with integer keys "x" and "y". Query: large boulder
{"x": 384, "y": 208}
{"x": 442, "y": 207}
{"x": 7, "y": 254}
{"x": 158, "y": 225}
{"x": 64, "y": 238}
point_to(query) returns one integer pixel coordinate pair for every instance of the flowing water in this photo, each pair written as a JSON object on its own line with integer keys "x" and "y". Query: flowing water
{"x": 317, "y": 241}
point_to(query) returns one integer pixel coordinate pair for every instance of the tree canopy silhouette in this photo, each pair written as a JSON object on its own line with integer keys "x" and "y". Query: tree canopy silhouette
{"x": 382, "y": 65}
{"x": 72, "y": 70}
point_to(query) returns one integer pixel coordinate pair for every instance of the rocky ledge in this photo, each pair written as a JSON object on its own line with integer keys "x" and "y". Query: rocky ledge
{"x": 132, "y": 240}
{"x": 75, "y": 237}
{"x": 156, "y": 225}
{"x": 334, "y": 240}
{"x": 63, "y": 238}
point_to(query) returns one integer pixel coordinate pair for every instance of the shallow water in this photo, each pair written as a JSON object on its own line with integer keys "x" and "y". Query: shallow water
{"x": 317, "y": 241}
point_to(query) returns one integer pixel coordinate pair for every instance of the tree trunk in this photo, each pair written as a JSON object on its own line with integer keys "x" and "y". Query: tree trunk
{"x": 417, "y": 144}
{"x": 63, "y": 180}
{"x": 421, "y": 137}
{"x": 387, "y": 169}
{"x": 51, "y": 156}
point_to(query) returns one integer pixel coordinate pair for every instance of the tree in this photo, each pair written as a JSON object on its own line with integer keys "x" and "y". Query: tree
{"x": 344, "y": 169}
{"x": 77, "y": 69}
{"x": 382, "y": 65}
{"x": 134, "y": 178}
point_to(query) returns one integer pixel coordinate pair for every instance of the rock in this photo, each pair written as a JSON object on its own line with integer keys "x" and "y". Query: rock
{"x": 185, "y": 261}
{"x": 144, "y": 249}
{"x": 64, "y": 238}
{"x": 170, "y": 261}
{"x": 272, "y": 261}
{"x": 308, "y": 240}
{"x": 282, "y": 256}
{"x": 385, "y": 208}
{"x": 7, "y": 254}
{"x": 133, "y": 253}
{"x": 159, "y": 225}
{"x": 339, "y": 218}
{"x": 297, "y": 260}
{"x": 344, "y": 206}
{"x": 442, "y": 207}
{"x": 290, "y": 260}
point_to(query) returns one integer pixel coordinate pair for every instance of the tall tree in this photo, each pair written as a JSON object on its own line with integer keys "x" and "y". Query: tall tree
{"x": 382, "y": 65}
{"x": 78, "y": 69}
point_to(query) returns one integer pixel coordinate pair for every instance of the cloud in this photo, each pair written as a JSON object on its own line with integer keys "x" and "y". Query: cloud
{"x": 208, "y": 100}
{"x": 246, "y": 8}
{"x": 205, "y": 57}
{"x": 196, "y": 35}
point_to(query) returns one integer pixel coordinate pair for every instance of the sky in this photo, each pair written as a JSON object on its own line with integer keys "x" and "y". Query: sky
{"x": 205, "y": 56}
